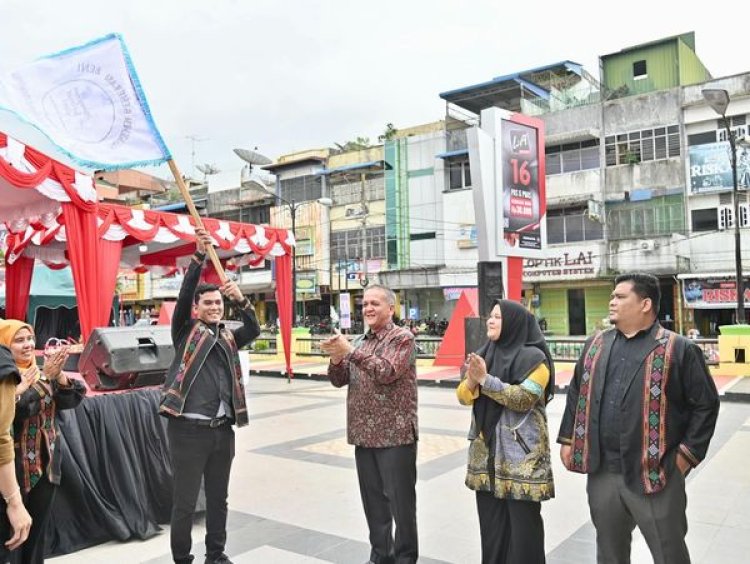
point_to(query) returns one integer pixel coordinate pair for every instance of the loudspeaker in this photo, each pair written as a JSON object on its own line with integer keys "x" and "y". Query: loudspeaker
{"x": 490, "y": 278}
{"x": 117, "y": 358}
{"x": 475, "y": 333}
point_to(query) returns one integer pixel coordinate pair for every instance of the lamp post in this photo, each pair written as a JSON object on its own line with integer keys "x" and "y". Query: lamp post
{"x": 718, "y": 99}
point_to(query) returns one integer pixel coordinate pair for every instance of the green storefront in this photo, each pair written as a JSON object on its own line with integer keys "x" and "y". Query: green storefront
{"x": 574, "y": 308}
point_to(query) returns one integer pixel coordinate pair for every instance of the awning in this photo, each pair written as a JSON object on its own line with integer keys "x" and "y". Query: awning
{"x": 571, "y": 136}
{"x": 369, "y": 166}
{"x": 456, "y": 153}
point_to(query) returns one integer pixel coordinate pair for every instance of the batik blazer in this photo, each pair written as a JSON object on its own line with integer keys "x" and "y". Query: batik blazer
{"x": 193, "y": 340}
{"x": 669, "y": 404}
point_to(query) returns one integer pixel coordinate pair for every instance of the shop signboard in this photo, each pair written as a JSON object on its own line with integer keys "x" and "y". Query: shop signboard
{"x": 521, "y": 205}
{"x": 345, "y": 311}
{"x": 306, "y": 282}
{"x": 452, "y": 293}
{"x": 506, "y": 155}
{"x": 168, "y": 287}
{"x": 574, "y": 263}
{"x": 712, "y": 292}
{"x": 711, "y": 168}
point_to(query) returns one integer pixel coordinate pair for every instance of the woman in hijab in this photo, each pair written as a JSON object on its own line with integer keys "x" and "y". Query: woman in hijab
{"x": 39, "y": 395}
{"x": 508, "y": 382}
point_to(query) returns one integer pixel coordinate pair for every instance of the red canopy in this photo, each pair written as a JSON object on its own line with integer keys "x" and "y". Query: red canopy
{"x": 51, "y": 214}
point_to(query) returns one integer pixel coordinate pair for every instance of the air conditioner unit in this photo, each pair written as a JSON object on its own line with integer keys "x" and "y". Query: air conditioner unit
{"x": 353, "y": 211}
{"x": 648, "y": 245}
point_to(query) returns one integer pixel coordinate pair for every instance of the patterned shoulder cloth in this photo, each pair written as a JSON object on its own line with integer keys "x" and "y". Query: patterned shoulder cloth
{"x": 656, "y": 375}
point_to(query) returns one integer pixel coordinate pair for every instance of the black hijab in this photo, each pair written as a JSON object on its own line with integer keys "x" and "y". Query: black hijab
{"x": 519, "y": 350}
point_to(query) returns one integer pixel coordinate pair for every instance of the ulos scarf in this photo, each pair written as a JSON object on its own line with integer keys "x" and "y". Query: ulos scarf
{"x": 519, "y": 350}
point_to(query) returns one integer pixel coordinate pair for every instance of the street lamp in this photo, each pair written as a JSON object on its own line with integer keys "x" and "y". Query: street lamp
{"x": 252, "y": 183}
{"x": 718, "y": 99}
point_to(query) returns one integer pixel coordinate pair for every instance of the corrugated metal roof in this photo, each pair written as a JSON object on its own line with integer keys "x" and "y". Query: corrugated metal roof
{"x": 502, "y": 91}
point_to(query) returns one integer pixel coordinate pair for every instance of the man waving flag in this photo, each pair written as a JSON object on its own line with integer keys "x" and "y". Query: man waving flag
{"x": 89, "y": 103}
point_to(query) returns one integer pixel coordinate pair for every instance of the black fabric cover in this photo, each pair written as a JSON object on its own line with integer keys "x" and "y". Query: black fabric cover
{"x": 116, "y": 472}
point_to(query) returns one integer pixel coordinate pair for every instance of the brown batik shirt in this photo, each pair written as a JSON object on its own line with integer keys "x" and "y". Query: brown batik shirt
{"x": 382, "y": 398}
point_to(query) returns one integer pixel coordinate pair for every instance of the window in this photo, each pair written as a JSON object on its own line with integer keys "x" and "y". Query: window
{"x": 701, "y": 138}
{"x": 704, "y": 220}
{"x": 568, "y": 225}
{"x": 459, "y": 173}
{"x": 645, "y": 145}
{"x": 572, "y": 157}
{"x": 650, "y": 218}
{"x": 343, "y": 192}
{"x": 347, "y": 245}
{"x": 301, "y": 189}
{"x": 422, "y": 236}
{"x": 639, "y": 70}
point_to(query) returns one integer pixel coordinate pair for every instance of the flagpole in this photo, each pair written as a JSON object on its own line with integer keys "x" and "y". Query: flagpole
{"x": 194, "y": 212}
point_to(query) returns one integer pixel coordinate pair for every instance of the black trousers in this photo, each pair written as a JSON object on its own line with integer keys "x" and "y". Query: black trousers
{"x": 199, "y": 452}
{"x": 38, "y": 503}
{"x": 387, "y": 484}
{"x": 616, "y": 510}
{"x": 512, "y": 531}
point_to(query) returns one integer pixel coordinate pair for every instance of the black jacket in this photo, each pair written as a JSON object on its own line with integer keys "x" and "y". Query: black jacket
{"x": 690, "y": 408}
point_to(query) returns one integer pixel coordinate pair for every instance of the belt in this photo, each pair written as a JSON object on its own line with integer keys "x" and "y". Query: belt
{"x": 212, "y": 423}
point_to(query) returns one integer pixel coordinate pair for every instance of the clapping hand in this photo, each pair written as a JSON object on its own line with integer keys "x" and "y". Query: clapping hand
{"x": 53, "y": 365}
{"x": 476, "y": 369}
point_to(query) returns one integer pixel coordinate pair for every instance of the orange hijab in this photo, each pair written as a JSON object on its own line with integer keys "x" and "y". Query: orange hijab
{"x": 8, "y": 330}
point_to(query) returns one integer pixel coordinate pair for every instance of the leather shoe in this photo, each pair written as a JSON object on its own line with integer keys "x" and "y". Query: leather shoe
{"x": 221, "y": 559}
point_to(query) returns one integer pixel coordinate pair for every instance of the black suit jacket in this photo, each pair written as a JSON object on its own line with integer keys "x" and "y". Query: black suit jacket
{"x": 691, "y": 399}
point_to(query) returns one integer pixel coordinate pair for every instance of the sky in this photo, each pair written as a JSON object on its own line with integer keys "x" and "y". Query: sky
{"x": 289, "y": 75}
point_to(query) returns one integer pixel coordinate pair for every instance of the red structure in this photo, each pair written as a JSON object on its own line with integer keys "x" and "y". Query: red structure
{"x": 451, "y": 351}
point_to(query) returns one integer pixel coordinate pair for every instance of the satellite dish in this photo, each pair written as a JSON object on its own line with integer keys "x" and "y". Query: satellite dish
{"x": 208, "y": 169}
{"x": 252, "y": 157}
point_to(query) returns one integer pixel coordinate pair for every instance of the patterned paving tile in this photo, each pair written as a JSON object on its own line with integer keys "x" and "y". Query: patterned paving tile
{"x": 439, "y": 451}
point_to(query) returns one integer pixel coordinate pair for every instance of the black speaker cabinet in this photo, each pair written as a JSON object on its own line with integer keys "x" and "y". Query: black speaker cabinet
{"x": 117, "y": 358}
{"x": 475, "y": 333}
{"x": 490, "y": 278}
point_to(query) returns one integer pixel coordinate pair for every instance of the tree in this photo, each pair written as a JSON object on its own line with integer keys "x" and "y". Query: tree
{"x": 359, "y": 144}
{"x": 388, "y": 134}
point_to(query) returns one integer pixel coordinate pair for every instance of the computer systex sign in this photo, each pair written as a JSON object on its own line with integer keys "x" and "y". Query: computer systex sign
{"x": 578, "y": 264}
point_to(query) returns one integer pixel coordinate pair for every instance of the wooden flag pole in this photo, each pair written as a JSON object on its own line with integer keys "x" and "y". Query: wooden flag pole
{"x": 194, "y": 212}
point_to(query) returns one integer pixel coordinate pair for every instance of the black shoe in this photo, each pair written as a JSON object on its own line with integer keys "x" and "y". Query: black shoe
{"x": 221, "y": 559}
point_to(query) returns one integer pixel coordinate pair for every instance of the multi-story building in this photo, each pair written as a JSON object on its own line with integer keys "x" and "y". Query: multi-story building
{"x": 637, "y": 179}
{"x": 618, "y": 175}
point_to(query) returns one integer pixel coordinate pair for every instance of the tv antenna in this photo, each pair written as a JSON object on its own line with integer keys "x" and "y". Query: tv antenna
{"x": 193, "y": 140}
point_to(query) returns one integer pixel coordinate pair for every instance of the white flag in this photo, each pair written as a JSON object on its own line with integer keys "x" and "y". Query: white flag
{"x": 89, "y": 102}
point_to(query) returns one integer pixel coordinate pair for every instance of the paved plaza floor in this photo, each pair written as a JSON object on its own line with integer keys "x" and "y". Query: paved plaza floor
{"x": 294, "y": 495}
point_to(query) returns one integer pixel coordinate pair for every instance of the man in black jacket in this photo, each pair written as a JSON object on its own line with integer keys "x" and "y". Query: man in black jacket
{"x": 640, "y": 413}
{"x": 203, "y": 396}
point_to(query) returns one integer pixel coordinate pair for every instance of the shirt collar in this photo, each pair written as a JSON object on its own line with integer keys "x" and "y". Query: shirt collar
{"x": 651, "y": 330}
{"x": 380, "y": 333}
